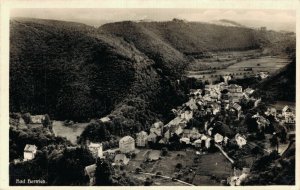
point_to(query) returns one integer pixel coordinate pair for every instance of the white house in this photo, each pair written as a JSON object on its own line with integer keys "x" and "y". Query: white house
{"x": 240, "y": 140}
{"x": 96, "y": 149}
{"x": 257, "y": 102}
{"x": 185, "y": 140}
{"x": 187, "y": 115}
{"x": 226, "y": 78}
{"x": 234, "y": 88}
{"x": 141, "y": 139}
{"x": 90, "y": 171}
{"x": 105, "y": 119}
{"x": 286, "y": 111}
{"x": 156, "y": 128}
{"x": 207, "y": 142}
{"x": 197, "y": 143}
{"x": 37, "y": 119}
{"x": 218, "y": 138}
{"x": 121, "y": 159}
{"x": 29, "y": 152}
{"x": 152, "y": 137}
{"x": 289, "y": 119}
{"x": 127, "y": 144}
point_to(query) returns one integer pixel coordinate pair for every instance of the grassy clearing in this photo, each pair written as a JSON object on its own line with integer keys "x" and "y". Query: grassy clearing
{"x": 198, "y": 173}
{"x": 70, "y": 132}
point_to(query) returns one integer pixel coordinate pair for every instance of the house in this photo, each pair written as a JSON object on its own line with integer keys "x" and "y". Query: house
{"x": 238, "y": 177}
{"x": 238, "y": 109}
{"x": 141, "y": 139}
{"x": 152, "y": 137}
{"x": 29, "y": 152}
{"x": 234, "y": 88}
{"x": 271, "y": 111}
{"x": 191, "y": 133}
{"x": 216, "y": 108}
{"x": 226, "y": 78}
{"x": 37, "y": 119}
{"x": 127, "y": 144}
{"x": 240, "y": 140}
{"x": 105, "y": 119}
{"x": 286, "y": 111}
{"x": 121, "y": 159}
{"x": 263, "y": 75}
{"x": 207, "y": 142}
{"x": 218, "y": 138}
{"x": 196, "y": 92}
{"x": 167, "y": 134}
{"x": 207, "y": 98}
{"x": 176, "y": 129}
{"x": 197, "y": 143}
{"x": 163, "y": 140}
{"x": 289, "y": 119}
{"x": 236, "y": 97}
{"x": 215, "y": 95}
{"x": 187, "y": 115}
{"x": 257, "y": 102}
{"x": 226, "y": 139}
{"x": 185, "y": 140}
{"x": 248, "y": 91}
{"x": 96, "y": 149}
{"x": 156, "y": 128}
{"x": 158, "y": 125}
{"x": 191, "y": 104}
{"x": 262, "y": 122}
{"x": 90, "y": 172}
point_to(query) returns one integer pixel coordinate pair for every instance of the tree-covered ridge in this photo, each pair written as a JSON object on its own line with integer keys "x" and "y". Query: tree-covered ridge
{"x": 74, "y": 71}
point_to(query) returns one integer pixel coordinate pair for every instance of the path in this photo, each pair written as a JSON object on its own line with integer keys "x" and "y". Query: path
{"x": 167, "y": 177}
{"x": 224, "y": 153}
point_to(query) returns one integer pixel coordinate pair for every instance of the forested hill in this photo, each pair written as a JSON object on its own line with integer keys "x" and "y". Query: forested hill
{"x": 192, "y": 37}
{"x": 74, "y": 71}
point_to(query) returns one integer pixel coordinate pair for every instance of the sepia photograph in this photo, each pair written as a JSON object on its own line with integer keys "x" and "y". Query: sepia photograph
{"x": 152, "y": 97}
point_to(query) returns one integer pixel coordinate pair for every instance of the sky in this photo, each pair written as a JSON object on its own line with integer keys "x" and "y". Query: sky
{"x": 274, "y": 19}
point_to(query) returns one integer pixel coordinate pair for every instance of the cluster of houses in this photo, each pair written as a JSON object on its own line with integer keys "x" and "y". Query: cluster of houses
{"x": 285, "y": 115}
{"x": 119, "y": 155}
{"x": 210, "y": 101}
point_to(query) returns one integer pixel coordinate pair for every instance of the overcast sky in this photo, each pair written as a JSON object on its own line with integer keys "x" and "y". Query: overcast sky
{"x": 96, "y": 17}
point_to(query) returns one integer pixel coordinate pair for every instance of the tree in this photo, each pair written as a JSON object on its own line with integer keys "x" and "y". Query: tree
{"x": 282, "y": 135}
{"x": 104, "y": 173}
{"x": 27, "y": 118}
{"x": 274, "y": 141}
{"x": 46, "y": 122}
{"x": 178, "y": 166}
{"x": 148, "y": 181}
{"x": 164, "y": 151}
{"x": 68, "y": 167}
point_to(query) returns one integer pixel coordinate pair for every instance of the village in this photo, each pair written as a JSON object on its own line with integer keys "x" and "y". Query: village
{"x": 184, "y": 142}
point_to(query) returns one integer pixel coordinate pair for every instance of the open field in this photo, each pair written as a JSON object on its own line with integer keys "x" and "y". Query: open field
{"x": 197, "y": 172}
{"x": 269, "y": 64}
{"x": 70, "y": 132}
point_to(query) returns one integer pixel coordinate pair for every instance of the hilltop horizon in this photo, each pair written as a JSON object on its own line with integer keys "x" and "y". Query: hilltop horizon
{"x": 284, "y": 20}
